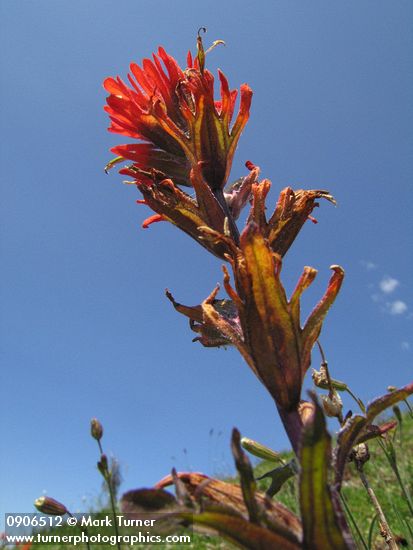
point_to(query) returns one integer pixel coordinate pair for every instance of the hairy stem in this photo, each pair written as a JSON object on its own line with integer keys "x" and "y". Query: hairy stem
{"x": 384, "y": 526}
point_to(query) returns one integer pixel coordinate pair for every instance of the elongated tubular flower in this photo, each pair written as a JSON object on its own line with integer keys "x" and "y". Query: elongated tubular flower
{"x": 172, "y": 112}
{"x": 275, "y": 345}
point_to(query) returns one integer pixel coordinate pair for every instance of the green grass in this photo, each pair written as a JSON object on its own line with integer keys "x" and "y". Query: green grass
{"x": 380, "y": 475}
{"x": 383, "y": 481}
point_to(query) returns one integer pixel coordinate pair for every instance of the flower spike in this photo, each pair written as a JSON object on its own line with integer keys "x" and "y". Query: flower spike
{"x": 175, "y": 118}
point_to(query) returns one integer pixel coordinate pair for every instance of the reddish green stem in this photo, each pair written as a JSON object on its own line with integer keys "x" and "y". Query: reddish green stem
{"x": 293, "y": 426}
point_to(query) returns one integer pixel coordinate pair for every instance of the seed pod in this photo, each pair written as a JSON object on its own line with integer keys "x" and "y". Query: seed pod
{"x": 333, "y": 405}
{"x": 320, "y": 379}
{"x": 361, "y": 453}
{"x": 259, "y": 450}
{"x": 50, "y": 506}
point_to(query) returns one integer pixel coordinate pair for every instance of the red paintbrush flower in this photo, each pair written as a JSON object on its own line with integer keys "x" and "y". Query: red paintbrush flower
{"x": 185, "y": 137}
{"x": 173, "y": 114}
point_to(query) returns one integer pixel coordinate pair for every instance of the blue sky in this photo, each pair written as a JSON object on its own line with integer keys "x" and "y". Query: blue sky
{"x": 86, "y": 330}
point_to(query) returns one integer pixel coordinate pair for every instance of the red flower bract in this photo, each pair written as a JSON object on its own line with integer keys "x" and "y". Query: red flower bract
{"x": 172, "y": 112}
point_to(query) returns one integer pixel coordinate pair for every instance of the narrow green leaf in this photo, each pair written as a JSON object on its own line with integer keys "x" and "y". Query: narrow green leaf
{"x": 246, "y": 474}
{"x": 371, "y": 531}
{"x": 324, "y": 523}
{"x": 350, "y": 516}
{"x": 279, "y": 476}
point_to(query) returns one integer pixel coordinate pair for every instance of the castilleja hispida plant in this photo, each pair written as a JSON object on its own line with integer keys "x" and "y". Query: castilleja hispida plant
{"x": 183, "y": 137}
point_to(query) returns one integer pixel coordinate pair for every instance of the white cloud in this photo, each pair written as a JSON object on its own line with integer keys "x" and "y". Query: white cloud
{"x": 368, "y": 265}
{"x": 388, "y": 285}
{"x": 405, "y": 346}
{"x": 398, "y": 307}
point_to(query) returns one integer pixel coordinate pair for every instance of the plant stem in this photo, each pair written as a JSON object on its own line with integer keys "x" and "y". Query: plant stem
{"x": 384, "y": 526}
{"x": 83, "y": 530}
{"x": 107, "y": 476}
{"x": 353, "y": 521}
{"x": 112, "y": 502}
{"x": 357, "y": 400}
{"x": 403, "y": 488}
{"x": 392, "y": 460}
{"x": 371, "y": 529}
{"x": 409, "y": 407}
{"x": 293, "y": 426}
{"x": 100, "y": 447}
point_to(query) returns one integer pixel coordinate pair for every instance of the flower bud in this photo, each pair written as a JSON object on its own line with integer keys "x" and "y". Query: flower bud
{"x": 306, "y": 411}
{"x": 361, "y": 454}
{"x": 96, "y": 429}
{"x": 103, "y": 465}
{"x": 50, "y": 506}
{"x": 332, "y": 405}
{"x": 259, "y": 450}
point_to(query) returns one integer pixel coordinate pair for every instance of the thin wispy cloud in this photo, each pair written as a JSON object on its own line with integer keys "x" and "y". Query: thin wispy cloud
{"x": 368, "y": 265}
{"x": 405, "y": 346}
{"x": 388, "y": 285}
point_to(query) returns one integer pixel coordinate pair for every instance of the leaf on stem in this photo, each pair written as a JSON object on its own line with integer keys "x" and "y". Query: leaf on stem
{"x": 323, "y": 520}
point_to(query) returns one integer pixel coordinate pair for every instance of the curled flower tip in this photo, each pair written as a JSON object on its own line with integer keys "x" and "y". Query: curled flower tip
{"x": 210, "y": 299}
{"x": 50, "y": 506}
{"x": 200, "y": 48}
{"x": 214, "y": 44}
{"x": 96, "y": 429}
{"x": 152, "y": 219}
{"x": 250, "y": 165}
{"x": 113, "y": 163}
{"x": 326, "y": 195}
{"x": 169, "y": 296}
